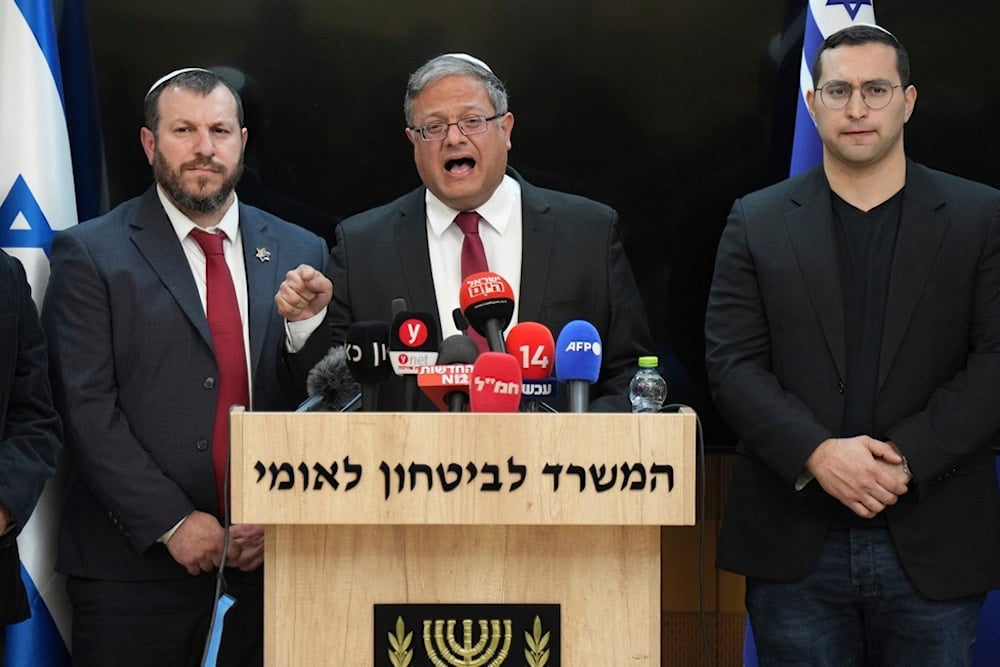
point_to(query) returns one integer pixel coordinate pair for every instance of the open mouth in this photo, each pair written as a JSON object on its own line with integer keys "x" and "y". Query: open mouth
{"x": 459, "y": 165}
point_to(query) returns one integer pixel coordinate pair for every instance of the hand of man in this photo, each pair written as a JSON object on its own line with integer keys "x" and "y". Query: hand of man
{"x": 5, "y": 520}
{"x": 865, "y": 474}
{"x": 303, "y": 293}
{"x": 246, "y": 546}
{"x": 197, "y": 543}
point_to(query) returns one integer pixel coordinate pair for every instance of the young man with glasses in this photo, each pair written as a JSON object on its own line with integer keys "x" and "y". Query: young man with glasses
{"x": 562, "y": 254}
{"x": 853, "y": 343}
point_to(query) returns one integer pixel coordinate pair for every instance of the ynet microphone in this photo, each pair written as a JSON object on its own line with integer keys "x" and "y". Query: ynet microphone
{"x": 532, "y": 345}
{"x": 447, "y": 382}
{"x": 413, "y": 342}
{"x": 495, "y": 384}
{"x": 578, "y": 361}
{"x": 331, "y": 386}
{"x": 365, "y": 346}
{"x": 487, "y": 302}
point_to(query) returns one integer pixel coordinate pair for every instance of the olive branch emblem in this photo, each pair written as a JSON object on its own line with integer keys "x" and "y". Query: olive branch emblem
{"x": 537, "y": 653}
{"x": 400, "y": 653}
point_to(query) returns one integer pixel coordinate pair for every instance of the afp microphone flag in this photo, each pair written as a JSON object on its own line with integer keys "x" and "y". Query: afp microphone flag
{"x": 823, "y": 18}
{"x": 36, "y": 199}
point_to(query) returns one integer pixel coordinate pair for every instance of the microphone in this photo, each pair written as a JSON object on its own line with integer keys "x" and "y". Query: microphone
{"x": 578, "y": 361}
{"x": 458, "y": 318}
{"x": 367, "y": 358}
{"x": 495, "y": 384}
{"x": 447, "y": 383}
{"x": 532, "y": 345}
{"x": 487, "y": 302}
{"x": 413, "y": 339}
{"x": 330, "y": 384}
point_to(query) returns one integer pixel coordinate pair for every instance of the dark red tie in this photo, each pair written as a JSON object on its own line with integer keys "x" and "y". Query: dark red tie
{"x": 226, "y": 326}
{"x": 473, "y": 259}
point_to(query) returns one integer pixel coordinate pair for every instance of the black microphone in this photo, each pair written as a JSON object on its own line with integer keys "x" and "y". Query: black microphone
{"x": 413, "y": 341}
{"x": 365, "y": 346}
{"x": 458, "y": 318}
{"x": 487, "y": 301}
{"x": 331, "y": 386}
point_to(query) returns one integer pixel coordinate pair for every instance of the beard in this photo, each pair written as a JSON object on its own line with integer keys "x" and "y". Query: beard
{"x": 200, "y": 202}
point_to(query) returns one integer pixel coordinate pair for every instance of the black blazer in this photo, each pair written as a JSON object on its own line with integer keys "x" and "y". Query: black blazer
{"x": 134, "y": 377}
{"x": 30, "y": 432}
{"x": 776, "y": 358}
{"x": 573, "y": 266}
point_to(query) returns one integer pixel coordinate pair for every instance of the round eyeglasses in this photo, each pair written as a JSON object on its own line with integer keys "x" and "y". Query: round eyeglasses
{"x": 875, "y": 94}
{"x": 469, "y": 126}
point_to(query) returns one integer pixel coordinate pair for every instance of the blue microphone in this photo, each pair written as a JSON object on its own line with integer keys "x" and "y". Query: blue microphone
{"x": 578, "y": 361}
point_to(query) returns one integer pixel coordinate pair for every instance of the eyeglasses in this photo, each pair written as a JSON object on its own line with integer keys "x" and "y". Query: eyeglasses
{"x": 875, "y": 94}
{"x": 470, "y": 126}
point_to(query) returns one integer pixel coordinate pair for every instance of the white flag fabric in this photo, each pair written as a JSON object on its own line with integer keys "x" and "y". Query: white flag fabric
{"x": 36, "y": 200}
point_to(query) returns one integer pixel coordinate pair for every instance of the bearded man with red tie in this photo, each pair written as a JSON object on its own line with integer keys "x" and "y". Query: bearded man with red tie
{"x": 161, "y": 318}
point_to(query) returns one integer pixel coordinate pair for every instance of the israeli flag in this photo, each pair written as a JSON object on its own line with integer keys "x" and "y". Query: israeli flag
{"x": 823, "y": 18}
{"x": 36, "y": 200}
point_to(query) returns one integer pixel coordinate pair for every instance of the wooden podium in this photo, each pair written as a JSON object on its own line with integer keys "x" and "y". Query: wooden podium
{"x": 439, "y": 508}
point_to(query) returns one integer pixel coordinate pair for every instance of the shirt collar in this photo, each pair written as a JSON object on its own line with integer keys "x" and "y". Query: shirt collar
{"x": 495, "y": 211}
{"x": 230, "y": 223}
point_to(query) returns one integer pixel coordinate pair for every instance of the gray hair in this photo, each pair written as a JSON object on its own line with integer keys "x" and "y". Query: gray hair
{"x": 451, "y": 64}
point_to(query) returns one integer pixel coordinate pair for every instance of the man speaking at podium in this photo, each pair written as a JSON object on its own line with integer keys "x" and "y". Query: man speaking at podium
{"x": 561, "y": 254}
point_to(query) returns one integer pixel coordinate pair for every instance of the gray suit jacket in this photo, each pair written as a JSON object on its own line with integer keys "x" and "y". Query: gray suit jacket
{"x": 134, "y": 377}
{"x": 775, "y": 349}
{"x": 573, "y": 266}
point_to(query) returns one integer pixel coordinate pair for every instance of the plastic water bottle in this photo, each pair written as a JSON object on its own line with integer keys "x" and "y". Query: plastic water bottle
{"x": 647, "y": 390}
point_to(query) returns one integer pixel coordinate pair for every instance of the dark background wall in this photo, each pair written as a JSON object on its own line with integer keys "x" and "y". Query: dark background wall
{"x": 665, "y": 109}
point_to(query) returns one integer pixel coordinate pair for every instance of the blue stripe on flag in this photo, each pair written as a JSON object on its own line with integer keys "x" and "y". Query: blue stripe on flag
{"x": 39, "y": 17}
{"x": 807, "y": 149}
{"x": 37, "y": 641}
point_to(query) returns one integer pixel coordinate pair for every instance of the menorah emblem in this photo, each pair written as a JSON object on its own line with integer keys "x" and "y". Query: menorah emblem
{"x": 444, "y": 651}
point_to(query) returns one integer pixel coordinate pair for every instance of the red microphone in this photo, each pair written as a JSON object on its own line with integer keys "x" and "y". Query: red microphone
{"x": 495, "y": 384}
{"x": 532, "y": 345}
{"x": 487, "y": 302}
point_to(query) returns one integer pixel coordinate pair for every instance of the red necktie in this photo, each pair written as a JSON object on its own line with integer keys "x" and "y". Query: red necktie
{"x": 226, "y": 327}
{"x": 473, "y": 260}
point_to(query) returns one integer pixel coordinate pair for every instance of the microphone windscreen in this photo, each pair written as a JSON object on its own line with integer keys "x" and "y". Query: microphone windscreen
{"x": 495, "y": 384}
{"x": 486, "y": 296}
{"x": 457, "y": 349}
{"x": 331, "y": 378}
{"x": 578, "y": 352}
{"x": 366, "y": 348}
{"x": 532, "y": 345}
{"x": 459, "y": 320}
{"x": 413, "y": 341}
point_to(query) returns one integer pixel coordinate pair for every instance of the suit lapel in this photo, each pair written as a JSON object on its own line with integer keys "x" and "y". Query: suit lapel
{"x": 922, "y": 227}
{"x": 410, "y": 233}
{"x": 810, "y": 227}
{"x": 261, "y": 257}
{"x": 537, "y": 222}
{"x": 155, "y": 239}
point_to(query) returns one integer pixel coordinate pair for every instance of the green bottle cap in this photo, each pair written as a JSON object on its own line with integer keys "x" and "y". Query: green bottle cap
{"x": 649, "y": 362}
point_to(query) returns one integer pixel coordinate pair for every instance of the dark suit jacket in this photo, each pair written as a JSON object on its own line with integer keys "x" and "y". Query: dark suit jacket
{"x": 134, "y": 378}
{"x": 30, "y": 433}
{"x": 776, "y": 359}
{"x": 573, "y": 266}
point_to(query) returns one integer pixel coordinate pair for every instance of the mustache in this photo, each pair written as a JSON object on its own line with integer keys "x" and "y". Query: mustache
{"x": 204, "y": 163}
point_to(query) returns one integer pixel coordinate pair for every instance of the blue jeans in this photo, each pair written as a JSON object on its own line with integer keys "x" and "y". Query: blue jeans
{"x": 859, "y": 607}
